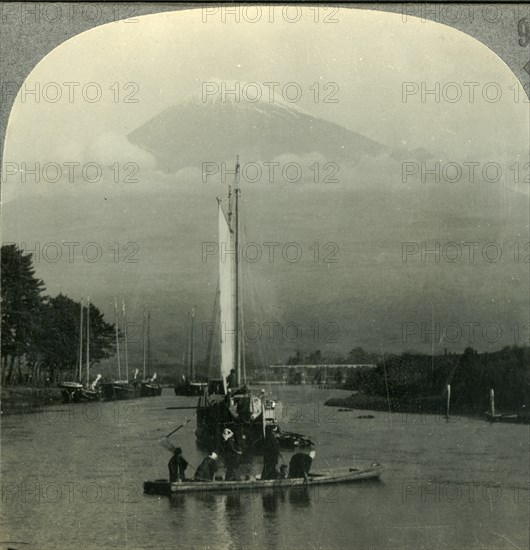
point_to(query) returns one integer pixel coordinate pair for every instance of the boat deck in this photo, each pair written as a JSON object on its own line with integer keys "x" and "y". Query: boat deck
{"x": 342, "y": 475}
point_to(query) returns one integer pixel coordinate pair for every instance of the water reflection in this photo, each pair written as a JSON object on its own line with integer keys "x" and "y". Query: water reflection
{"x": 270, "y": 501}
{"x": 290, "y": 518}
{"x": 300, "y": 497}
{"x": 206, "y": 499}
{"x": 236, "y": 516}
{"x": 233, "y": 502}
{"x": 177, "y": 500}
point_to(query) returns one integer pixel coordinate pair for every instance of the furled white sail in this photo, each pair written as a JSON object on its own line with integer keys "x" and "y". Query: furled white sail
{"x": 227, "y": 296}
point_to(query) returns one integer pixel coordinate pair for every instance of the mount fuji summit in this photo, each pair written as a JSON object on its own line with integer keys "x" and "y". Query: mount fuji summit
{"x": 196, "y": 131}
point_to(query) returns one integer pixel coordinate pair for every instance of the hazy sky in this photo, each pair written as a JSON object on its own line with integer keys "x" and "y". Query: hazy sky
{"x": 368, "y": 56}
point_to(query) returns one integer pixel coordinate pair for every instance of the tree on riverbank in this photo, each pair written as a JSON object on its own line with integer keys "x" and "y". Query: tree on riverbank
{"x": 21, "y": 303}
{"x": 412, "y": 376}
{"x": 419, "y": 381}
{"x": 40, "y": 332}
{"x": 57, "y": 346}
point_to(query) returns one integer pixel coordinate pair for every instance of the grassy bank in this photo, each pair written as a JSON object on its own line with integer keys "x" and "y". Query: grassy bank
{"x": 418, "y": 405}
{"x": 23, "y": 399}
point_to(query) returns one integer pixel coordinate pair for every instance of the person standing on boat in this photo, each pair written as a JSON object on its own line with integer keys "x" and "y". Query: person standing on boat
{"x": 231, "y": 379}
{"x": 207, "y": 468}
{"x": 246, "y": 468}
{"x": 271, "y": 453}
{"x": 300, "y": 465}
{"x": 177, "y": 466}
{"x": 231, "y": 454}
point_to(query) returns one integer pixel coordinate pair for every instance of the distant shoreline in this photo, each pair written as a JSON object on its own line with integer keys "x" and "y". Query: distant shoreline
{"x": 419, "y": 405}
{"x": 24, "y": 399}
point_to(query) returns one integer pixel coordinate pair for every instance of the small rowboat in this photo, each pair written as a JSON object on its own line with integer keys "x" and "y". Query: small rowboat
{"x": 343, "y": 475}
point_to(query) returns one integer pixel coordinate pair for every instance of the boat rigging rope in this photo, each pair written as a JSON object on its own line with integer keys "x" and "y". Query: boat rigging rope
{"x": 215, "y": 311}
{"x": 257, "y": 307}
{"x": 386, "y": 385}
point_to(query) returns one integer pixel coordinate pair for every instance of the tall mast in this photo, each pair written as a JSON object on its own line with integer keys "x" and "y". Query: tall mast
{"x": 117, "y": 336}
{"x": 192, "y": 358}
{"x": 87, "y": 339}
{"x": 125, "y": 340}
{"x": 81, "y": 341}
{"x": 228, "y": 286}
{"x": 237, "y": 193}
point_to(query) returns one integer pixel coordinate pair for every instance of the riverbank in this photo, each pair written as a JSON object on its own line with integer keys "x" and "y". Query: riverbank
{"x": 418, "y": 405}
{"x": 23, "y": 399}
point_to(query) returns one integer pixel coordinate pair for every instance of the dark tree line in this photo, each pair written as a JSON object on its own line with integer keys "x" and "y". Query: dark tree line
{"x": 41, "y": 334}
{"x": 357, "y": 356}
{"x": 471, "y": 375}
{"x": 411, "y": 375}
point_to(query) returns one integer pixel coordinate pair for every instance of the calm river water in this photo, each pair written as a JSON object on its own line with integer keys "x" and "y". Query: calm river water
{"x": 72, "y": 478}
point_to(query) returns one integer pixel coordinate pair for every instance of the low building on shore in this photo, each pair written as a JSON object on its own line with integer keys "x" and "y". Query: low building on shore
{"x": 313, "y": 374}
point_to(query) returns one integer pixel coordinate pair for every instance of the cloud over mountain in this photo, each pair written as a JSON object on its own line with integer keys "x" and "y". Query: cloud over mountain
{"x": 194, "y": 132}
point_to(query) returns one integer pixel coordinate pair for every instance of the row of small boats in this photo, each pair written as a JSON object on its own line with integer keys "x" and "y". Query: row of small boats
{"x": 75, "y": 392}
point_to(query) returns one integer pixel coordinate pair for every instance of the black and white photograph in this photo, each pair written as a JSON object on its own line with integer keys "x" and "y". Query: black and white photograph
{"x": 265, "y": 276}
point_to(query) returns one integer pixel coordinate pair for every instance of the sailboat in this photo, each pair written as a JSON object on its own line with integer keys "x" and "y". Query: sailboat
{"x": 120, "y": 389}
{"x": 245, "y": 412}
{"x": 149, "y": 387}
{"x": 75, "y": 391}
{"x": 188, "y": 385}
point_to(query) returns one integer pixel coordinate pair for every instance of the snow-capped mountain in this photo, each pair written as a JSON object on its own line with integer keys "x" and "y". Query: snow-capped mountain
{"x": 196, "y": 131}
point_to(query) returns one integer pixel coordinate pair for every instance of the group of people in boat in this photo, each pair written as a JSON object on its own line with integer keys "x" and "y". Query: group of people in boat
{"x": 233, "y": 454}
{"x": 299, "y": 465}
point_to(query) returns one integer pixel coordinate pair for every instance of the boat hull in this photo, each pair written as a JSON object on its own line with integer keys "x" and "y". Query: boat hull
{"x": 213, "y": 419}
{"x": 508, "y": 418}
{"x": 73, "y": 392}
{"x": 148, "y": 389}
{"x": 119, "y": 392}
{"x": 193, "y": 388}
{"x": 345, "y": 475}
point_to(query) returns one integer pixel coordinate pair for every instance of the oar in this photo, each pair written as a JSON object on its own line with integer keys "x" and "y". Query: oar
{"x": 165, "y": 441}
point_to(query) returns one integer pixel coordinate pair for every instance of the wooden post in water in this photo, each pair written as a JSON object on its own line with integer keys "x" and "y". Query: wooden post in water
{"x": 144, "y": 346}
{"x": 192, "y": 357}
{"x": 87, "y": 340}
{"x": 188, "y": 324}
{"x": 148, "y": 344}
{"x": 81, "y": 341}
{"x": 125, "y": 341}
{"x": 448, "y": 402}
{"x": 492, "y": 403}
{"x": 117, "y": 336}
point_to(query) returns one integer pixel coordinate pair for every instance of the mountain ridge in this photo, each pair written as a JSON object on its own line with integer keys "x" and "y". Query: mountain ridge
{"x": 190, "y": 133}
